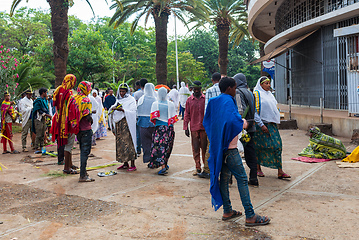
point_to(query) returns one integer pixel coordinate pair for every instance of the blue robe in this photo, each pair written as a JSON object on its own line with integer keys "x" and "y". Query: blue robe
{"x": 222, "y": 123}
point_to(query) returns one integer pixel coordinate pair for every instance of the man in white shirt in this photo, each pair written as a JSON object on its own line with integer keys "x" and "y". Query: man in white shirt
{"x": 25, "y": 106}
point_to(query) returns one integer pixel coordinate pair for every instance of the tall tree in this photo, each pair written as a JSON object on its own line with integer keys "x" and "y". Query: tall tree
{"x": 160, "y": 10}
{"x": 229, "y": 18}
{"x": 60, "y": 30}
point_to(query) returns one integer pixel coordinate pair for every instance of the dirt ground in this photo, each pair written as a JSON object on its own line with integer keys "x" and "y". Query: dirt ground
{"x": 36, "y": 202}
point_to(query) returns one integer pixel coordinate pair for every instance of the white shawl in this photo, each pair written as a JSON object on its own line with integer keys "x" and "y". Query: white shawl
{"x": 26, "y": 106}
{"x": 129, "y": 105}
{"x": 145, "y": 102}
{"x": 171, "y": 116}
{"x": 184, "y": 93}
{"x": 95, "y": 116}
{"x": 268, "y": 105}
{"x": 173, "y": 95}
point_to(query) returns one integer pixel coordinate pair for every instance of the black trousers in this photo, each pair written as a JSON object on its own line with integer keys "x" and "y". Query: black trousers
{"x": 251, "y": 158}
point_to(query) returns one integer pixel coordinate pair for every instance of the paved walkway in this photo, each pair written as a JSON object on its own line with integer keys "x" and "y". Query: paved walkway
{"x": 319, "y": 202}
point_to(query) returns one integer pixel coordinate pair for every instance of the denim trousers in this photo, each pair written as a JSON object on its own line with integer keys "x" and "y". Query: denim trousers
{"x": 232, "y": 164}
{"x": 85, "y": 139}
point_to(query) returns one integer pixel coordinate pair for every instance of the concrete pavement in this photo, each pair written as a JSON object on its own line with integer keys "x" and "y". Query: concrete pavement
{"x": 319, "y": 202}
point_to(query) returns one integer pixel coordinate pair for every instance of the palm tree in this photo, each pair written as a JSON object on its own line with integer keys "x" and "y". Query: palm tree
{"x": 60, "y": 31}
{"x": 160, "y": 11}
{"x": 229, "y": 17}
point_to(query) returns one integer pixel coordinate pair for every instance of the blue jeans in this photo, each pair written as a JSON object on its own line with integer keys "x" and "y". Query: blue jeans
{"x": 232, "y": 164}
{"x": 85, "y": 140}
{"x": 181, "y": 111}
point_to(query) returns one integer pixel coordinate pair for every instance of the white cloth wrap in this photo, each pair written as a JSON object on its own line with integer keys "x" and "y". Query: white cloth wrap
{"x": 145, "y": 102}
{"x": 129, "y": 105}
{"x": 26, "y": 105}
{"x": 268, "y": 110}
{"x": 184, "y": 93}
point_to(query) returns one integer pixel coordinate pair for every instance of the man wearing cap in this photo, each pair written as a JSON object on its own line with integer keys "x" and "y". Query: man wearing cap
{"x": 25, "y": 106}
{"x": 194, "y": 115}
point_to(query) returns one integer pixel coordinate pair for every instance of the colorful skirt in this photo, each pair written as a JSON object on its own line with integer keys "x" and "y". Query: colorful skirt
{"x": 268, "y": 146}
{"x": 125, "y": 150}
{"x": 101, "y": 131}
{"x": 162, "y": 144}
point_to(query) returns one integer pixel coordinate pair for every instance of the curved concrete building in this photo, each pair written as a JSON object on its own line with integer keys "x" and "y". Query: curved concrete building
{"x": 315, "y": 46}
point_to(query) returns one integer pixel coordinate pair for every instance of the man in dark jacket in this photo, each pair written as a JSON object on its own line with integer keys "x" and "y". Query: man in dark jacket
{"x": 245, "y": 100}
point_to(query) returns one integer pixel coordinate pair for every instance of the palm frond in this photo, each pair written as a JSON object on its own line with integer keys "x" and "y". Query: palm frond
{"x": 14, "y": 5}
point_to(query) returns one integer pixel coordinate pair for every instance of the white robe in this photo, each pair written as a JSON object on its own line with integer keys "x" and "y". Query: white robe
{"x": 129, "y": 105}
{"x": 26, "y": 105}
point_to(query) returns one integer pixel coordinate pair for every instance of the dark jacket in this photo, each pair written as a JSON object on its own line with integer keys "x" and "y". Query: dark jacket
{"x": 247, "y": 99}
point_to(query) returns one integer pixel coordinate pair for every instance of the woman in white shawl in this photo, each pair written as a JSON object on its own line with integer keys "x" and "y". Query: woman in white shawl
{"x": 173, "y": 96}
{"x": 122, "y": 118}
{"x": 146, "y": 126}
{"x": 99, "y": 130}
{"x": 184, "y": 93}
{"x": 163, "y": 115}
{"x": 267, "y": 141}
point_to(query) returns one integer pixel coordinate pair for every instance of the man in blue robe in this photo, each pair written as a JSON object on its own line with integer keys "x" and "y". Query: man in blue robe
{"x": 223, "y": 123}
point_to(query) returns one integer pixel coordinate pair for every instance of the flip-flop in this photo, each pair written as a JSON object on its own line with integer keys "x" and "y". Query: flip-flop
{"x": 234, "y": 215}
{"x": 284, "y": 175}
{"x": 86, "y": 179}
{"x": 260, "y": 220}
{"x": 260, "y": 174}
{"x": 106, "y": 174}
{"x": 122, "y": 167}
{"x": 15, "y": 152}
{"x": 131, "y": 169}
{"x": 6, "y": 152}
{"x": 70, "y": 171}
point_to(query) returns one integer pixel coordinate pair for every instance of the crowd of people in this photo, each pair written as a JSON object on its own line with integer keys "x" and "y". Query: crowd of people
{"x": 143, "y": 122}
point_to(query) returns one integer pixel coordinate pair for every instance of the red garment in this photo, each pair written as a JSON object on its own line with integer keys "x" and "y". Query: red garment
{"x": 7, "y": 133}
{"x": 61, "y": 97}
{"x": 194, "y": 113}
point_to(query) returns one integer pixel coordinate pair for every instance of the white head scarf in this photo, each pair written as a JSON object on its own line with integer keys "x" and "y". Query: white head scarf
{"x": 268, "y": 110}
{"x": 129, "y": 105}
{"x": 95, "y": 116}
{"x": 162, "y": 104}
{"x": 25, "y": 105}
{"x": 184, "y": 93}
{"x": 174, "y": 97}
{"x": 145, "y": 102}
{"x": 100, "y": 110}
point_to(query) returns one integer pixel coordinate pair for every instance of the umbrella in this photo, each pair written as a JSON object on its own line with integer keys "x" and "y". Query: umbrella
{"x": 161, "y": 85}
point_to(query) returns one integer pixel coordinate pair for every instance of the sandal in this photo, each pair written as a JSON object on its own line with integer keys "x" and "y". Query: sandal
{"x": 74, "y": 167}
{"x": 6, "y": 152}
{"x": 234, "y": 215}
{"x": 70, "y": 171}
{"x": 284, "y": 175}
{"x": 260, "y": 220}
{"x": 260, "y": 174}
{"x": 163, "y": 171}
{"x": 131, "y": 169}
{"x": 86, "y": 179}
{"x": 122, "y": 167}
{"x": 61, "y": 163}
{"x": 15, "y": 152}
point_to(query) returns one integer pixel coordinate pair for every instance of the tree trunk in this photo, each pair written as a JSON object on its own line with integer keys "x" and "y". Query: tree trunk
{"x": 223, "y": 35}
{"x": 60, "y": 31}
{"x": 161, "y": 47}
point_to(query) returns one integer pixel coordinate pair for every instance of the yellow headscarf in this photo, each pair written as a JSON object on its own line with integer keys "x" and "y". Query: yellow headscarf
{"x": 82, "y": 101}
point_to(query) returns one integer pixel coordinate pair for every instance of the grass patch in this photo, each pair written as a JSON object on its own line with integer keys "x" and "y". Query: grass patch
{"x": 16, "y": 128}
{"x": 55, "y": 174}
